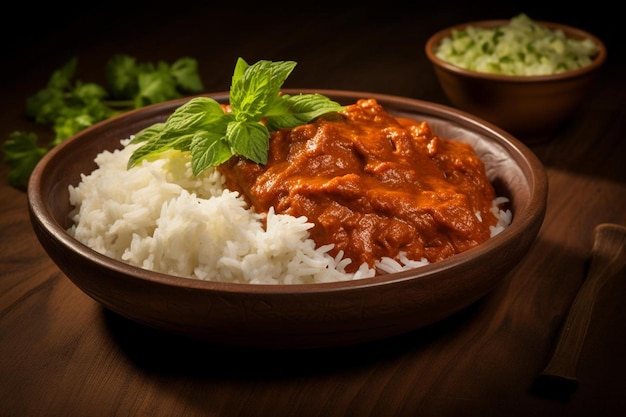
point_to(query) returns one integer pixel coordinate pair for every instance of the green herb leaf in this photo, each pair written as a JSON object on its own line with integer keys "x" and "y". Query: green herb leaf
{"x": 22, "y": 154}
{"x": 296, "y": 110}
{"x": 69, "y": 106}
{"x": 149, "y": 83}
{"x": 200, "y": 119}
{"x": 155, "y": 87}
{"x": 255, "y": 91}
{"x": 250, "y": 140}
{"x": 212, "y": 136}
{"x": 209, "y": 149}
{"x": 185, "y": 72}
{"x": 120, "y": 73}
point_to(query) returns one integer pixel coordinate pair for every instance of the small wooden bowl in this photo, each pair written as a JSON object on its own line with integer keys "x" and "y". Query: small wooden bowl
{"x": 529, "y": 107}
{"x": 292, "y": 316}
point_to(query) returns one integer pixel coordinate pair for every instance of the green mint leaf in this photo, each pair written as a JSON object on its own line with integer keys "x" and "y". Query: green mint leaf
{"x": 150, "y": 133}
{"x": 200, "y": 117}
{"x": 209, "y": 149}
{"x": 212, "y": 136}
{"x": 250, "y": 140}
{"x": 253, "y": 92}
{"x": 296, "y": 110}
{"x": 241, "y": 66}
{"x": 150, "y": 136}
{"x": 156, "y": 143}
{"x": 199, "y": 113}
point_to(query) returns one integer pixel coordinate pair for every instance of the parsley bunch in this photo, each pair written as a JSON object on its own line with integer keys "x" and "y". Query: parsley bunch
{"x": 68, "y": 106}
{"x": 212, "y": 136}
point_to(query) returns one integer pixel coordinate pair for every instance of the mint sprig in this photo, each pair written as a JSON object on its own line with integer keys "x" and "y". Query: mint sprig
{"x": 212, "y": 136}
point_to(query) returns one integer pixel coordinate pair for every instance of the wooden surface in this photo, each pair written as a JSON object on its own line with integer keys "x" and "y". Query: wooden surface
{"x": 62, "y": 354}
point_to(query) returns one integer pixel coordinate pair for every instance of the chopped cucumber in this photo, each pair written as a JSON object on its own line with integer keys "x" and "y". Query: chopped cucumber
{"x": 521, "y": 47}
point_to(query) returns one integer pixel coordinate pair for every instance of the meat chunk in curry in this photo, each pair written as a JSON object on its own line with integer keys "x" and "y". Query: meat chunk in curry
{"x": 373, "y": 185}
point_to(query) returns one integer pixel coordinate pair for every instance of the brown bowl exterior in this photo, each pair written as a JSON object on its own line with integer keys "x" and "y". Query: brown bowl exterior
{"x": 526, "y": 106}
{"x": 292, "y": 316}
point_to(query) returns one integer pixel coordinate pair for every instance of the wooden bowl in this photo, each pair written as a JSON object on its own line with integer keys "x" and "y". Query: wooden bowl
{"x": 292, "y": 316}
{"x": 529, "y": 107}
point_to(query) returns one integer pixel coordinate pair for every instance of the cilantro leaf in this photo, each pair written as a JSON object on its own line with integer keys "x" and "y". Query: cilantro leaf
{"x": 185, "y": 72}
{"x": 155, "y": 86}
{"x": 62, "y": 77}
{"x": 212, "y": 136}
{"x": 22, "y": 154}
{"x": 120, "y": 73}
{"x": 149, "y": 83}
{"x": 68, "y": 106}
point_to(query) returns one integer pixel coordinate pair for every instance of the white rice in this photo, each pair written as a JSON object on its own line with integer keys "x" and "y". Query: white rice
{"x": 158, "y": 216}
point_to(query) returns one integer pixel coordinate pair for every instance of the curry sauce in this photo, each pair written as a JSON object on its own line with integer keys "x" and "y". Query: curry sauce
{"x": 373, "y": 185}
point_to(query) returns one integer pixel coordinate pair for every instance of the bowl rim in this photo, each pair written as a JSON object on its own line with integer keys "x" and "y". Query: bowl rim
{"x": 570, "y": 31}
{"x": 537, "y": 177}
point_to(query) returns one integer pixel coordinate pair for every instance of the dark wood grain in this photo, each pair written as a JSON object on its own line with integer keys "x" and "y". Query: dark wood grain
{"x": 607, "y": 262}
{"x": 62, "y": 354}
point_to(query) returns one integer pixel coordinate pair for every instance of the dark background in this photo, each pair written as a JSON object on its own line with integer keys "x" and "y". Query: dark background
{"x": 46, "y": 36}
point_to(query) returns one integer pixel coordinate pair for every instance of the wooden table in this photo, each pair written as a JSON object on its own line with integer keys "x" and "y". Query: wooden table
{"x": 62, "y": 354}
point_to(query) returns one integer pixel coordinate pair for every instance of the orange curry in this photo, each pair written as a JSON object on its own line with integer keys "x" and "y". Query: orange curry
{"x": 373, "y": 185}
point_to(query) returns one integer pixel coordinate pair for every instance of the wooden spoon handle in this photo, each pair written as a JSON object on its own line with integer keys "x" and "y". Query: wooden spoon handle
{"x": 608, "y": 260}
